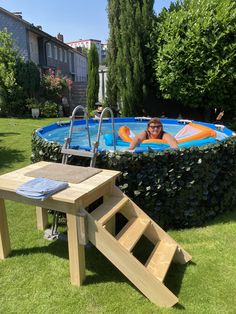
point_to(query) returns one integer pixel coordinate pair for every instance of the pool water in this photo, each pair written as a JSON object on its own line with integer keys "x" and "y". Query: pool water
{"x": 80, "y": 135}
{"x": 57, "y": 132}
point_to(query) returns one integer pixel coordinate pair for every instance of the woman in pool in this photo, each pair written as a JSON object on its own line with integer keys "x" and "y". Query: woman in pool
{"x": 154, "y": 131}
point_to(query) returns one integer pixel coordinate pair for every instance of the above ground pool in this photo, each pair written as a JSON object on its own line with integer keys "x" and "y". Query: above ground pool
{"x": 188, "y": 133}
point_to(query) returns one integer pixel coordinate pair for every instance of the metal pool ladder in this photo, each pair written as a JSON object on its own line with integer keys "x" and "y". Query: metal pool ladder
{"x": 96, "y": 143}
{"x": 51, "y": 234}
{"x": 66, "y": 150}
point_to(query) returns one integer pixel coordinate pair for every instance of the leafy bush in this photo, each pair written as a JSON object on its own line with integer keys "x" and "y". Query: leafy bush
{"x": 32, "y": 103}
{"x": 177, "y": 188}
{"x": 195, "y": 53}
{"x": 49, "y": 109}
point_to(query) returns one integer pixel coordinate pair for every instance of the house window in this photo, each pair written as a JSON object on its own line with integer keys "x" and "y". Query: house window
{"x": 49, "y": 50}
{"x": 70, "y": 62}
{"x": 55, "y": 52}
{"x": 60, "y": 55}
{"x": 65, "y": 56}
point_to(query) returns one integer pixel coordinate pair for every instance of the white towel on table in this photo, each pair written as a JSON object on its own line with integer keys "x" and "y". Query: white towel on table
{"x": 41, "y": 188}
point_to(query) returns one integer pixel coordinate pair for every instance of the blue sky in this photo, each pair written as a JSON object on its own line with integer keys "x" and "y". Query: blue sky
{"x": 74, "y": 19}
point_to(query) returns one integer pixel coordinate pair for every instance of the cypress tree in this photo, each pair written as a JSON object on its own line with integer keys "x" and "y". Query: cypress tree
{"x": 113, "y": 44}
{"x": 128, "y": 62}
{"x": 93, "y": 78}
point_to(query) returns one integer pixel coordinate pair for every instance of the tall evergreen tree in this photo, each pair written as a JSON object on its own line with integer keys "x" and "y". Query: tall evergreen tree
{"x": 113, "y": 44}
{"x": 93, "y": 78}
{"x": 129, "y": 76}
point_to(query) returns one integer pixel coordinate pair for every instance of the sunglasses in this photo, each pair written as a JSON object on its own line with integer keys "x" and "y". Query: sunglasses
{"x": 155, "y": 126}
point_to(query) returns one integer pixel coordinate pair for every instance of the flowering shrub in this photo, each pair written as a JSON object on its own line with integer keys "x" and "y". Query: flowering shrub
{"x": 55, "y": 85}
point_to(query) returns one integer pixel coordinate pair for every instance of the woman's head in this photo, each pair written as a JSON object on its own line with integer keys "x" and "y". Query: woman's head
{"x": 154, "y": 126}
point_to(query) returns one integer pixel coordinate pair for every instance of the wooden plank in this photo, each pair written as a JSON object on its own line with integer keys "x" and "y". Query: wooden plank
{"x": 132, "y": 232}
{"x": 76, "y": 252}
{"x": 5, "y": 246}
{"x": 109, "y": 208}
{"x": 77, "y": 152}
{"x": 42, "y": 218}
{"x": 155, "y": 232}
{"x": 160, "y": 259}
{"x": 49, "y": 203}
{"x": 82, "y": 228}
{"x": 95, "y": 194}
{"x": 137, "y": 273}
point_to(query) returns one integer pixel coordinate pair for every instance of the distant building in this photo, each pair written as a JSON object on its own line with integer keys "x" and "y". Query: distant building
{"x": 102, "y": 83}
{"x": 43, "y": 49}
{"x": 86, "y": 43}
{"x": 104, "y": 52}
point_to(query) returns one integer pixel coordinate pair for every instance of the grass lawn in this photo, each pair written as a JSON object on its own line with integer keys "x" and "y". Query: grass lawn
{"x": 35, "y": 277}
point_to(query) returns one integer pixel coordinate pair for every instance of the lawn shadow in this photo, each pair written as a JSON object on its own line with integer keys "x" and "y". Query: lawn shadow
{"x": 174, "y": 278}
{"x": 9, "y": 156}
{"x": 103, "y": 270}
{"x": 222, "y": 218}
{"x": 5, "y": 134}
{"x": 57, "y": 248}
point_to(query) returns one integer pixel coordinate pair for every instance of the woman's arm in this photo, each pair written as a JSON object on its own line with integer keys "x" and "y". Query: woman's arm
{"x": 170, "y": 140}
{"x": 137, "y": 140}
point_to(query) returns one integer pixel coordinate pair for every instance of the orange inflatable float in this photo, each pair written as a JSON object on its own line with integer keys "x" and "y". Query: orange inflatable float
{"x": 189, "y": 132}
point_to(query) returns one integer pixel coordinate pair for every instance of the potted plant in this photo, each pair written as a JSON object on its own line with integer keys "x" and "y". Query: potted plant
{"x": 34, "y": 105}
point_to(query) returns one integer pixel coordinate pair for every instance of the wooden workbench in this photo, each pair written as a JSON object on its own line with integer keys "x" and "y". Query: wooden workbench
{"x": 71, "y": 201}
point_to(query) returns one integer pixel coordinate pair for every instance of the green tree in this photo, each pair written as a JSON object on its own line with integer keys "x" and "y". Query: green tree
{"x": 195, "y": 53}
{"x": 93, "y": 78}
{"x": 112, "y": 51}
{"x": 28, "y": 77}
{"x": 7, "y": 71}
{"x": 7, "y": 61}
{"x": 129, "y": 76}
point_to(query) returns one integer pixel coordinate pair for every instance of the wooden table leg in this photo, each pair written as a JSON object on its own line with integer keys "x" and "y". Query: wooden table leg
{"x": 76, "y": 252}
{"x": 5, "y": 246}
{"x": 42, "y": 218}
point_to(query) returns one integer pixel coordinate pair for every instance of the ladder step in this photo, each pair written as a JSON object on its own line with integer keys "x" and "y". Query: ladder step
{"x": 109, "y": 208}
{"x": 77, "y": 152}
{"x": 132, "y": 232}
{"x": 160, "y": 259}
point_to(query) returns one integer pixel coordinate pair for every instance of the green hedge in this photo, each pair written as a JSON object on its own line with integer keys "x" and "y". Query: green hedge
{"x": 177, "y": 188}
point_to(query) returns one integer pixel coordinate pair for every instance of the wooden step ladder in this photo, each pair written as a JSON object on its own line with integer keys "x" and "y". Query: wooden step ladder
{"x": 118, "y": 248}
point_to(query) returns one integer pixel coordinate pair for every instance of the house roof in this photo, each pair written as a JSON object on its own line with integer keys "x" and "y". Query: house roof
{"x": 35, "y": 29}
{"x": 85, "y": 40}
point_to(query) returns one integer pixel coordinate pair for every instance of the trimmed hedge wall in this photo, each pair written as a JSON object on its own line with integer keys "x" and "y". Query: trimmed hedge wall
{"x": 177, "y": 188}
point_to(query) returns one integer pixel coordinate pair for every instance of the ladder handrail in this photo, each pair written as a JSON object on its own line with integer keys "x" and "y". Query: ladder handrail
{"x": 69, "y": 138}
{"x": 96, "y": 144}
{"x": 86, "y": 118}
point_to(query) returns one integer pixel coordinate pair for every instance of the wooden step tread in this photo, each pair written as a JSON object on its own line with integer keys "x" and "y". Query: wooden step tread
{"x": 77, "y": 152}
{"x": 132, "y": 232}
{"x": 160, "y": 259}
{"x": 109, "y": 208}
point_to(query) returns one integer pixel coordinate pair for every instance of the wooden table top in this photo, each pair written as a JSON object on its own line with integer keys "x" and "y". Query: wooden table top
{"x": 69, "y": 197}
